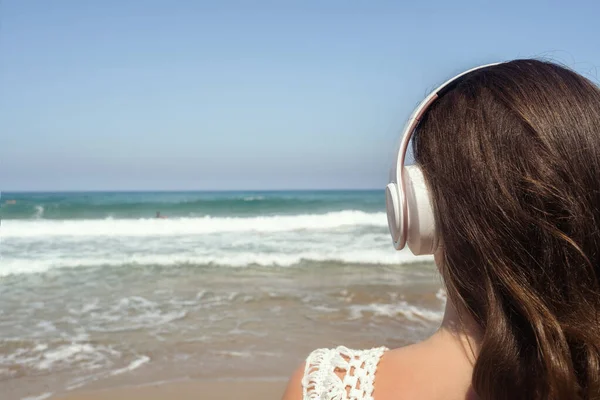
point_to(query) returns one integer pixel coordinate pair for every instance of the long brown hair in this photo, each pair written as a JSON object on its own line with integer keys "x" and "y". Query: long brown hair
{"x": 512, "y": 157}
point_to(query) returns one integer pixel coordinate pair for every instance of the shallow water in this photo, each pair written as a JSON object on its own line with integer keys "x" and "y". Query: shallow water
{"x": 66, "y": 329}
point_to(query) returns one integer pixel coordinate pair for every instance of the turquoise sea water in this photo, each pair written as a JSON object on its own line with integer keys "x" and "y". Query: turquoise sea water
{"x": 47, "y": 231}
{"x": 100, "y": 205}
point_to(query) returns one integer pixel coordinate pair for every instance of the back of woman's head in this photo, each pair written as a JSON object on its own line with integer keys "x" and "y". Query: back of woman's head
{"x": 512, "y": 158}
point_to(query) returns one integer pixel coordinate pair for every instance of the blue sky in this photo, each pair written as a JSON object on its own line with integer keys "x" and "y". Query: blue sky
{"x": 145, "y": 94}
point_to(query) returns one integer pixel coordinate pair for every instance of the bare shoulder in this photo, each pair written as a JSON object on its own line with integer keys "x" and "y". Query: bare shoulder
{"x": 398, "y": 373}
{"x": 293, "y": 391}
{"x": 423, "y": 371}
{"x": 420, "y": 371}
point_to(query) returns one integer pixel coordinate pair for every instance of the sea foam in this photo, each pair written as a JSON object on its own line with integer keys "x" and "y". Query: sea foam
{"x": 189, "y": 226}
{"x": 375, "y": 257}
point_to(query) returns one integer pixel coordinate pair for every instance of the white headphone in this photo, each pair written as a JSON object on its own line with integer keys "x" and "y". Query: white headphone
{"x": 409, "y": 211}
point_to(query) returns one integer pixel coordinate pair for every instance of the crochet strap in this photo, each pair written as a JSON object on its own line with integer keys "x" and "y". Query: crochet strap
{"x": 354, "y": 378}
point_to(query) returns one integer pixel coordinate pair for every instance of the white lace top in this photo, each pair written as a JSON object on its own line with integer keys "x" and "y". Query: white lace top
{"x": 357, "y": 368}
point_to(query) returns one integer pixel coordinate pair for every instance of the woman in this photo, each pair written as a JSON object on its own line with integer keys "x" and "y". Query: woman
{"x": 510, "y": 155}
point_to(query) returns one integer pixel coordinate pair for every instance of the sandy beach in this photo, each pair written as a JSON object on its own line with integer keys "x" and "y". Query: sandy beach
{"x": 189, "y": 390}
{"x": 225, "y": 346}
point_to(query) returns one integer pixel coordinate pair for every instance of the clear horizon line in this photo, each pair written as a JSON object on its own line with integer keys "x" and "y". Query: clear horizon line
{"x": 185, "y": 190}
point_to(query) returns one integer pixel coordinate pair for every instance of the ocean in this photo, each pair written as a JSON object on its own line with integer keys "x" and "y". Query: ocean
{"x": 96, "y": 291}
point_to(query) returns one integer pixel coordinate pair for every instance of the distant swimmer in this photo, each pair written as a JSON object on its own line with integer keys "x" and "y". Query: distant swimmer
{"x": 10, "y": 202}
{"x": 159, "y": 216}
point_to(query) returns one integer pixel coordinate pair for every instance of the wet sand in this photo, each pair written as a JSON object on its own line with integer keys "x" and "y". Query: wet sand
{"x": 192, "y": 390}
{"x": 202, "y": 333}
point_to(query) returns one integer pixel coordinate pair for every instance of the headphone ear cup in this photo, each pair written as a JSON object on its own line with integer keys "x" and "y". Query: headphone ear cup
{"x": 421, "y": 230}
{"x": 395, "y": 215}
